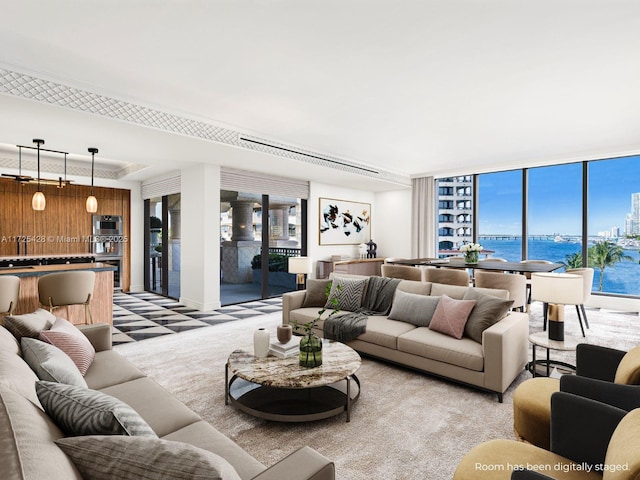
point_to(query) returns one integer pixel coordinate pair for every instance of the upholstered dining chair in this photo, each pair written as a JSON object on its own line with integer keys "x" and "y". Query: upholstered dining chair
{"x": 62, "y": 289}
{"x": 514, "y": 283}
{"x": 450, "y": 276}
{"x": 587, "y": 283}
{"x": 9, "y": 293}
{"x": 404, "y": 272}
{"x": 528, "y": 277}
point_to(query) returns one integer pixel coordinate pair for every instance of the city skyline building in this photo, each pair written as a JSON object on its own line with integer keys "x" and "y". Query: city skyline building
{"x": 455, "y": 212}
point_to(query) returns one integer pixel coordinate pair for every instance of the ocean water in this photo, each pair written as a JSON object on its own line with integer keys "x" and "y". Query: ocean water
{"x": 624, "y": 278}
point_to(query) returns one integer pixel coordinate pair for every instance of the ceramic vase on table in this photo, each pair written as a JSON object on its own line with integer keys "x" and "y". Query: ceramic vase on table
{"x": 471, "y": 257}
{"x": 284, "y": 333}
{"x": 261, "y": 342}
{"x": 310, "y": 351}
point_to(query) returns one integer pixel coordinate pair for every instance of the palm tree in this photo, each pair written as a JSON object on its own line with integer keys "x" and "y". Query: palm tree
{"x": 573, "y": 260}
{"x": 606, "y": 254}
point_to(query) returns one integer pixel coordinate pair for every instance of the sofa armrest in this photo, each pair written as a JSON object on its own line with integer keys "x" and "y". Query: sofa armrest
{"x": 99, "y": 334}
{"x": 291, "y": 301}
{"x": 303, "y": 464}
{"x": 598, "y": 362}
{"x": 505, "y": 347}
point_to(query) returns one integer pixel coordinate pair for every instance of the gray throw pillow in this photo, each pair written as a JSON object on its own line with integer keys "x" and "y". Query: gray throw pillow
{"x": 134, "y": 458}
{"x": 348, "y": 292}
{"x": 413, "y": 308}
{"x": 316, "y": 293}
{"x": 82, "y": 411}
{"x": 50, "y": 363}
{"x": 29, "y": 324}
{"x": 488, "y": 311}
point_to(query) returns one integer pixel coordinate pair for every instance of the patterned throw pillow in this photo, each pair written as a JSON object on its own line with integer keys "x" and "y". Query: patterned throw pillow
{"x": 348, "y": 292}
{"x": 134, "y": 458}
{"x": 29, "y": 324}
{"x": 72, "y": 342}
{"x": 50, "y": 363}
{"x": 451, "y": 316}
{"x": 82, "y": 411}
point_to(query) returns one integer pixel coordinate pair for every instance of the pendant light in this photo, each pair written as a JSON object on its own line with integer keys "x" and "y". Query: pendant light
{"x": 38, "y": 202}
{"x": 92, "y": 202}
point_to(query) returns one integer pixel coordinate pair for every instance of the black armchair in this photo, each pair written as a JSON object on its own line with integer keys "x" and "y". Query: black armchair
{"x": 602, "y": 365}
{"x": 584, "y": 432}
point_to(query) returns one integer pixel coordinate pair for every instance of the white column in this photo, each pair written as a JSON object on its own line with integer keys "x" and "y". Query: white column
{"x": 200, "y": 235}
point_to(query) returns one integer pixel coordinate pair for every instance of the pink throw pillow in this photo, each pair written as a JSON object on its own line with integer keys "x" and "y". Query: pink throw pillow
{"x": 71, "y": 341}
{"x": 451, "y": 316}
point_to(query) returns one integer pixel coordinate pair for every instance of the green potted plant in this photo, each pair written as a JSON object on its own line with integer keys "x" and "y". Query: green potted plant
{"x": 310, "y": 355}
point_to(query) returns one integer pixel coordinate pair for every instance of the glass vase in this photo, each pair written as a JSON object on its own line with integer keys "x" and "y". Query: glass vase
{"x": 310, "y": 351}
{"x": 471, "y": 257}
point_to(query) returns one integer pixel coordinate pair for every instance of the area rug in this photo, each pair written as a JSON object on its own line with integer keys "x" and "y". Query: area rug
{"x": 406, "y": 425}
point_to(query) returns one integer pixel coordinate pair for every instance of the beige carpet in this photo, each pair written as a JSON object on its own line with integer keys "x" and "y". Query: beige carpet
{"x": 406, "y": 425}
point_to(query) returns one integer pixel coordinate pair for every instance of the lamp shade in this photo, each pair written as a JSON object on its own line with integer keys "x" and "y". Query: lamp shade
{"x": 557, "y": 288}
{"x": 38, "y": 202}
{"x": 92, "y": 204}
{"x": 300, "y": 265}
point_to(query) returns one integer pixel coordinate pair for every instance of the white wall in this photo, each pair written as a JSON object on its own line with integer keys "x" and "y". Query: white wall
{"x": 318, "y": 190}
{"x": 200, "y": 236}
{"x": 392, "y": 223}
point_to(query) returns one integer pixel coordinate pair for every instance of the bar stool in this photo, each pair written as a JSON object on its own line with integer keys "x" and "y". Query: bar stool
{"x": 67, "y": 288}
{"x": 9, "y": 292}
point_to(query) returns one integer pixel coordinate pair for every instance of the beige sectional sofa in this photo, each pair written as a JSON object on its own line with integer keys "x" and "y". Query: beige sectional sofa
{"x": 491, "y": 364}
{"x": 27, "y": 433}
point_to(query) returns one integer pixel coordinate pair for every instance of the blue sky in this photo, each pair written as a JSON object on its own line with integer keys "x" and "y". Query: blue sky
{"x": 555, "y": 197}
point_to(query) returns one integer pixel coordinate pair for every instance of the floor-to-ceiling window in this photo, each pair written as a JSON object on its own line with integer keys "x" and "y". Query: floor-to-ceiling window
{"x": 246, "y": 234}
{"x": 554, "y": 220}
{"x": 499, "y": 200}
{"x": 614, "y": 225}
{"x": 163, "y": 250}
{"x": 564, "y": 213}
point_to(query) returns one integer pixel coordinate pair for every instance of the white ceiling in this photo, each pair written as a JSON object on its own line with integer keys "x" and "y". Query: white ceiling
{"x": 411, "y": 87}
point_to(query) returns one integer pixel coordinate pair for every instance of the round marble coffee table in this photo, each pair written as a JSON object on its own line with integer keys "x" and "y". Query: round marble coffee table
{"x": 280, "y": 389}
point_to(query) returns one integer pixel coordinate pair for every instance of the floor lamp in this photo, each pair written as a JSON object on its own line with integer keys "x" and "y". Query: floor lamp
{"x": 301, "y": 266}
{"x": 556, "y": 290}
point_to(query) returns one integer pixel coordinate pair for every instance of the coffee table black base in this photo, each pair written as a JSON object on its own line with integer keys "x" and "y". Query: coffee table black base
{"x": 294, "y": 405}
{"x": 543, "y": 368}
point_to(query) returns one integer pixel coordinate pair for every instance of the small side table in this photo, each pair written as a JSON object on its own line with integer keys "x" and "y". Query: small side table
{"x": 541, "y": 339}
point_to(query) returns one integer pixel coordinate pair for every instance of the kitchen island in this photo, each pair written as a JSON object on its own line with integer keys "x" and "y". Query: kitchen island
{"x": 101, "y": 300}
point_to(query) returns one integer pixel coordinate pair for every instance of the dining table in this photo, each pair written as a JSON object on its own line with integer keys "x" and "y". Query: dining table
{"x": 488, "y": 264}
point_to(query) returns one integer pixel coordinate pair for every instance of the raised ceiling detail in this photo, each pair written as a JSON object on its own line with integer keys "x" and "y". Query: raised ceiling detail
{"x": 41, "y": 90}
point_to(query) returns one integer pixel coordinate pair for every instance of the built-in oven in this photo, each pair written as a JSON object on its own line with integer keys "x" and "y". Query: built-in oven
{"x": 107, "y": 243}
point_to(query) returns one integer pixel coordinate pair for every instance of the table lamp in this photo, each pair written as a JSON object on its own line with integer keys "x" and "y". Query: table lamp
{"x": 301, "y": 266}
{"x": 556, "y": 290}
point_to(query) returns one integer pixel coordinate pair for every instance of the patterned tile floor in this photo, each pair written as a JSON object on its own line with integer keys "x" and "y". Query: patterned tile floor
{"x": 137, "y": 316}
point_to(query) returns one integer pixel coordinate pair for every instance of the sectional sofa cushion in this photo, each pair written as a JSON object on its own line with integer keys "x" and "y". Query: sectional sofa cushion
{"x": 412, "y": 308}
{"x": 82, "y": 411}
{"x": 9, "y": 343}
{"x": 134, "y": 458}
{"x": 316, "y": 293}
{"x": 26, "y": 436}
{"x": 487, "y": 311}
{"x": 50, "y": 363}
{"x": 451, "y": 316}
{"x": 17, "y": 376}
{"x": 29, "y": 324}
{"x": 348, "y": 292}
{"x": 71, "y": 341}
